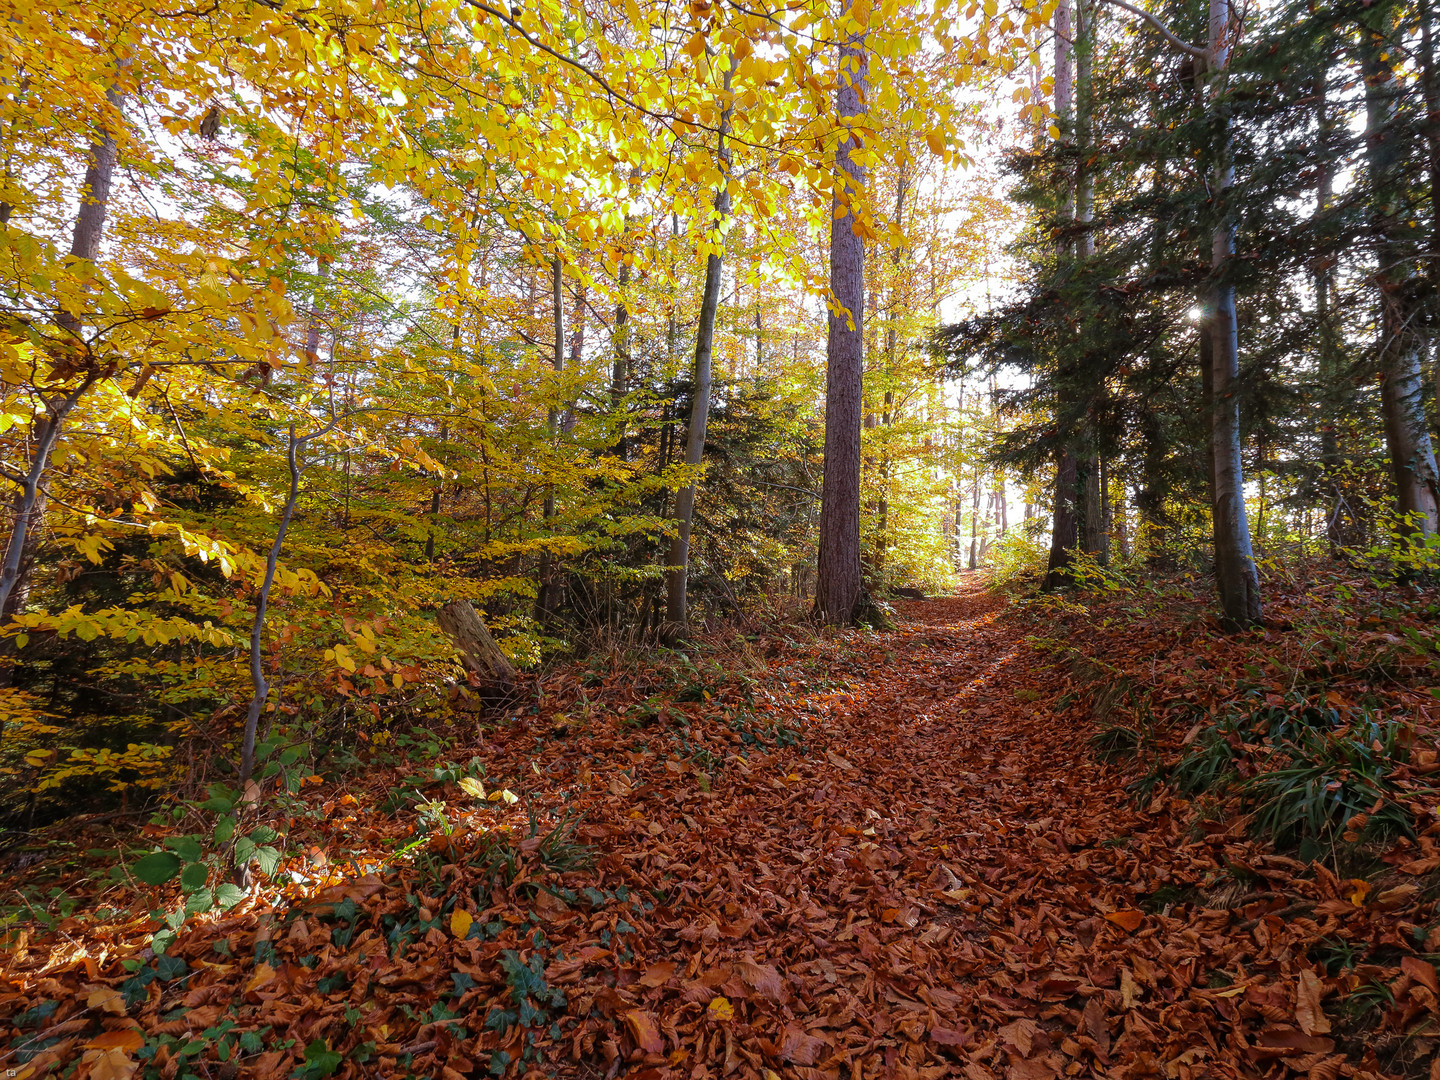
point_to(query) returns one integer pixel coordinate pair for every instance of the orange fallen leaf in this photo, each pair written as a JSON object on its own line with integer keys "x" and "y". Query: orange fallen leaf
{"x": 108, "y": 999}
{"x": 264, "y": 973}
{"x": 643, "y": 1031}
{"x": 125, "y": 1039}
{"x": 721, "y": 1009}
{"x": 1309, "y": 1014}
{"x": 658, "y": 974}
{"x": 1130, "y": 919}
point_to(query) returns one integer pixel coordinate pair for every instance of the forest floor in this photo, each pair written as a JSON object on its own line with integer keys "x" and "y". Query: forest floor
{"x": 797, "y": 854}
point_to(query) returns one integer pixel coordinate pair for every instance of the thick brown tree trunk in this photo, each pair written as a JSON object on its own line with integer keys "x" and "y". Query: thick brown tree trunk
{"x": 481, "y": 656}
{"x": 1402, "y": 342}
{"x": 839, "y": 594}
{"x": 1063, "y": 532}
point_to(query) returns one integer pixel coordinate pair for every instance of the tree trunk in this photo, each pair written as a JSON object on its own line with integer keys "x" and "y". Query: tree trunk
{"x": 1063, "y": 532}
{"x": 478, "y": 651}
{"x": 1235, "y": 573}
{"x": 620, "y": 375}
{"x": 1402, "y": 343}
{"x": 676, "y": 606}
{"x": 839, "y": 595}
{"x": 547, "y": 597}
{"x": 28, "y": 504}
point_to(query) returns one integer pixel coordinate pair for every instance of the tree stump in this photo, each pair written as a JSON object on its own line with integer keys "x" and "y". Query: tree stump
{"x": 482, "y": 657}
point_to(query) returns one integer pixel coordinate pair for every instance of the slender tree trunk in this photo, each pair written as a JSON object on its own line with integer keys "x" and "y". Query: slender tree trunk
{"x": 1329, "y": 368}
{"x": 28, "y": 504}
{"x": 620, "y": 375}
{"x": 1236, "y": 576}
{"x": 1063, "y": 532}
{"x": 839, "y": 595}
{"x": 676, "y": 607}
{"x": 547, "y": 599}
{"x": 1402, "y": 342}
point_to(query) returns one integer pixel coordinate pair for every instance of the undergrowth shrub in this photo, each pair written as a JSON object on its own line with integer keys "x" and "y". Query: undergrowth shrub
{"x": 1305, "y": 773}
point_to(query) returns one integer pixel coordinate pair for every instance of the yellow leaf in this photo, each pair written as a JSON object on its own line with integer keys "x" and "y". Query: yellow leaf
{"x": 1054, "y": 132}
{"x": 508, "y": 795}
{"x": 936, "y": 141}
{"x": 460, "y": 923}
{"x": 721, "y": 1009}
{"x": 472, "y": 787}
{"x": 111, "y": 1001}
{"x": 1359, "y": 891}
{"x": 263, "y": 974}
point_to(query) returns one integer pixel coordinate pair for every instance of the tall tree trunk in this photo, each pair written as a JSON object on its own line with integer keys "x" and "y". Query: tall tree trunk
{"x": 839, "y": 595}
{"x": 1235, "y": 573}
{"x": 28, "y": 503}
{"x": 1063, "y": 519}
{"x": 620, "y": 373}
{"x": 676, "y": 606}
{"x": 547, "y": 598}
{"x": 1402, "y": 342}
{"x": 1329, "y": 368}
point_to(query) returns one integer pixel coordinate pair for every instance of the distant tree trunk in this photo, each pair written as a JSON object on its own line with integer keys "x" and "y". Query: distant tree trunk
{"x": 620, "y": 375}
{"x": 839, "y": 594}
{"x": 1235, "y": 573}
{"x": 1402, "y": 342}
{"x": 676, "y": 607}
{"x": 974, "y": 562}
{"x": 547, "y": 598}
{"x": 1329, "y": 365}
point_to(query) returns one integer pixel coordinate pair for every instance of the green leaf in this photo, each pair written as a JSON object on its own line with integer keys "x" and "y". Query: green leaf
{"x": 162, "y": 940}
{"x": 199, "y": 901}
{"x": 244, "y": 848}
{"x": 224, "y": 829}
{"x": 268, "y": 859}
{"x": 157, "y": 868}
{"x": 194, "y": 876}
{"x": 187, "y": 846}
{"x": 228, "y": 895}
{"x": 320, "y": 1061}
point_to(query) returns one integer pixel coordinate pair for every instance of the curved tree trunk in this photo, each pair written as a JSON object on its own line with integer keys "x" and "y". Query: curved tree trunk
{"x": 28, "y": 504}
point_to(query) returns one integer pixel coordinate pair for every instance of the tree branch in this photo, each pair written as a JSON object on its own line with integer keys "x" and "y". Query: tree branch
{"x": 1183, "y": 46}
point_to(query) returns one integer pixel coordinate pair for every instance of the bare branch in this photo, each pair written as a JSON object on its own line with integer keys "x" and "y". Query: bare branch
{"x": 1183, "y": 46}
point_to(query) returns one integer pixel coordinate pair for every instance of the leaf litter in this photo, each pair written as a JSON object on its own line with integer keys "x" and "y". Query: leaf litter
{"x": 918, "y": 868}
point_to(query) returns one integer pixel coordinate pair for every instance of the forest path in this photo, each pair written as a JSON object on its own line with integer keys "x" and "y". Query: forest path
{"x": 802, "y": 855}
{"x": 941, "y": 879}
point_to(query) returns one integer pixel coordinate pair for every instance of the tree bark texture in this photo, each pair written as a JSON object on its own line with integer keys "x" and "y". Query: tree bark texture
{"x": 1235, "y": 573}
{"x": 1403, "y": 346}
{"x": 478, "y": 651}
{"x": 838, "y": 588}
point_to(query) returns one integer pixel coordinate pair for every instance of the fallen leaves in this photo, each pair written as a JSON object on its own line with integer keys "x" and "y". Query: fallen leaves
{"x": 1007, "y": 913}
